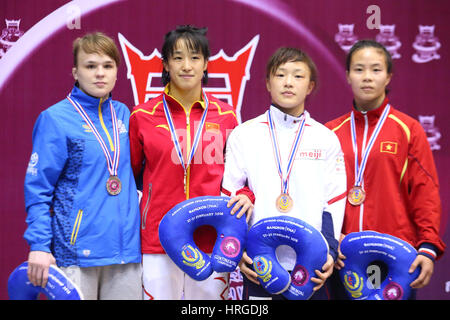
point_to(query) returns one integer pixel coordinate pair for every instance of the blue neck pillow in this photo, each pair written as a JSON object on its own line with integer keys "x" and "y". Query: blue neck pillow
{"x": 309, "y": 245}
{"x": 176, "y": 235}
{"x": 58, "y": 287}
{"x": 365, "y": 249}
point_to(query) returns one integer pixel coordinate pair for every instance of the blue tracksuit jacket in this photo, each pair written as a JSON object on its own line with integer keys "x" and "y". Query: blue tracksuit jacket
{"x": 69, "y": 211}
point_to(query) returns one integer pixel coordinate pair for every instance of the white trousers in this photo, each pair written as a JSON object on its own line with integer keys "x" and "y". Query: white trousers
{"x": 113, "y": 282}
{"x": 163, "y": 280}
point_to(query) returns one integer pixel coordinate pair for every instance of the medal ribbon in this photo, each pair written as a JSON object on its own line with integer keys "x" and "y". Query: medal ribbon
{"x": 112, "y": 163}
{"x": 297, "y": 139}
{"x": 359, "y": 169}
{"x": 175, "y": 137}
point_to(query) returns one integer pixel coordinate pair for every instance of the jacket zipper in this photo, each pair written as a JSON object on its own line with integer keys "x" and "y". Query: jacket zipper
{"x": 144, "y": 213}
{"x": 100, "y": 116}
{"x": 188, "y": 150}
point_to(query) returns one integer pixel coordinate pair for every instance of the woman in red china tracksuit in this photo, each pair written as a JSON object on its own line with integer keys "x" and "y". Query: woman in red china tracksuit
{"x": 177, "y": 143}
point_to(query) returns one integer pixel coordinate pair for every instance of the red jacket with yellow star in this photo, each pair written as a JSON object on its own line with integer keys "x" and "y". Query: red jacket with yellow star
{"x": 400, "y": 179}
{"x": 153, "y": 155}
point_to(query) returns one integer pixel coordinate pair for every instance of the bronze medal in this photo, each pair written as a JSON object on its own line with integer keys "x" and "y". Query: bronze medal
{"x": 356, "y": 196}
{"x": 113, "y": 185}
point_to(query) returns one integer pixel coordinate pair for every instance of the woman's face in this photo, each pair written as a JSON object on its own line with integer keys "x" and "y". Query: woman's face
{"x": 96, "y": 74}
{"x": 368, "y": 77}
{"x": 185, "y": 68}
{"x": 289, "y": 86}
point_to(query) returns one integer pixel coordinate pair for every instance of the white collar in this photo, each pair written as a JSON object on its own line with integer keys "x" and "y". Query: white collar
{"x": 285, "y": 120}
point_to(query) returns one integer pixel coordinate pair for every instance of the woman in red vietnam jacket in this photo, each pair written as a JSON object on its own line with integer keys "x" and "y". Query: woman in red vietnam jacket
{"x": 393, "y": 188}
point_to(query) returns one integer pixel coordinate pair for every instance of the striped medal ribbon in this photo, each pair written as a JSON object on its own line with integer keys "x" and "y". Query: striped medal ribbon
{"x": 357, "y": 195}
{"x": 113, "y": 184}
{"x": 284, "y": 202}
{"x": 175, "y": 140}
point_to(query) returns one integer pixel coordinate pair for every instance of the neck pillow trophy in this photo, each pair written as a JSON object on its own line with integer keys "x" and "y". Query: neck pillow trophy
{"x": 364, "y": 252}
{"x": 58, "y": 287}
{"x": 310, "y": 247}
{"x": 190, "y": 214}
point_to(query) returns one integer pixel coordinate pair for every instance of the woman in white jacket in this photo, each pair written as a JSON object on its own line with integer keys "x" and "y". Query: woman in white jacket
{"x": 293, "y": 164}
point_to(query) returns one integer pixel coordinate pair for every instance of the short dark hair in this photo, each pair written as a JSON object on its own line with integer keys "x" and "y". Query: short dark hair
{"x": 368, "y": 43}
{"x": 195, "y": 39}
{"x": 286, "y": 54}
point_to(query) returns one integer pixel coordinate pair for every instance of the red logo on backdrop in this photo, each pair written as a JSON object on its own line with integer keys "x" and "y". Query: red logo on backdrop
{"x": 229, "y": 75}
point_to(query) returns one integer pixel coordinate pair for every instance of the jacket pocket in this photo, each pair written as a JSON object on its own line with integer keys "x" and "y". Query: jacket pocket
{"x": 146, "y": 207}
{"x": 76, "y": 227}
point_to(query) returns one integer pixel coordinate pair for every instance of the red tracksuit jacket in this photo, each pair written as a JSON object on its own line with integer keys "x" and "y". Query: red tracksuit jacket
{"x": 400, "y": 179}
{"x": 152, "y": 150}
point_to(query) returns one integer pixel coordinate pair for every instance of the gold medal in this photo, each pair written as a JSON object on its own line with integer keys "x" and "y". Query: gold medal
{"x": 113, "y": 185}
{"x": 284, "y": 203}
{"x": 356, "y": 196}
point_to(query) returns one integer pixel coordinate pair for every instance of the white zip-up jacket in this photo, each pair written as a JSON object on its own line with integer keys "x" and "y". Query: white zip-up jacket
{"x": 317, "y": 182}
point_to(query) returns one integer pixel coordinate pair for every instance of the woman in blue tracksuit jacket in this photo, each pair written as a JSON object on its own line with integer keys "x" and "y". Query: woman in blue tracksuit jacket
{"x": 80, "y": 193}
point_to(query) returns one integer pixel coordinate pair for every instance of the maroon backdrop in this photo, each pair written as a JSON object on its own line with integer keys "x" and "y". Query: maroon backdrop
{"x": 36, "y": 60}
